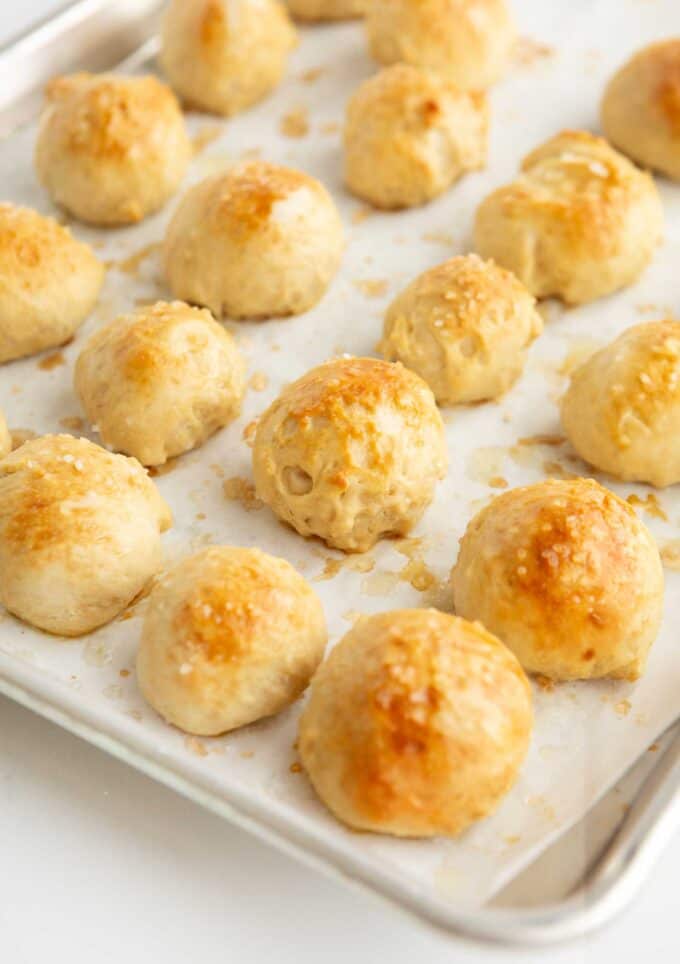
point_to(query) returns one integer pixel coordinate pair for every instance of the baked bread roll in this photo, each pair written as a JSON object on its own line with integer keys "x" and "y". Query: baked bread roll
{"x": 224, "y": 55}
{"x": 111, "y": 149}
{"x": 5, "y": 438}
{"x": 49, "y": 282}
{"x": 567, "y": 576}
{"x": 416, "y": 724}
{"x": 313, "y": 10}
{"x": 621, "y": 411}
{"x": 257, "y": 242}
{"x": 410, "y": 134}
{"x": 464, "y": 327}
{"x": 641, "y": 108}
{"x": 160, "y": 381}
{"x": 579, "y": 222}
{"x": 79, "y": 533}
{"x": 468, "y": 41}
{"x": 351, "y": 452}
{"x": 230, "y": 635}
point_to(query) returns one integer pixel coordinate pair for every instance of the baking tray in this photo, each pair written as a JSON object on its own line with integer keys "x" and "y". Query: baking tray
{"x": 252, "y": 777}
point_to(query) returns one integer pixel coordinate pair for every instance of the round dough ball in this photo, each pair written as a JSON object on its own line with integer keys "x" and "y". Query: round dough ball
{"x": 161, "y": 381}
{"x": 79, "y": 533}
{"x": 314, "y": 10}
{"x": 224, "y": 55}
{"x": 621, "y": 411}
{"x": 351, "y": 452}
{"x": 567, "y": 576}
{"x": 111, "y": 149}
{"x": 257, "y": 242}
{"x": 641, "y": 108}
{"x": 5, "y": 438}
{"x": 578, "y": 223}
{"x": 465, "y": 327}
{"x": 49, "y": 282}
{"x": 410, "y": 134}
{"x": 416, "y": 724}
{"x": 230, "y": 635}
{"x": 468, "y": 41}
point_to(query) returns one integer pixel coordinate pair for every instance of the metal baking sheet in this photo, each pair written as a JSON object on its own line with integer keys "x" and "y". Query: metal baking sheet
{"x": 586, "y": 734}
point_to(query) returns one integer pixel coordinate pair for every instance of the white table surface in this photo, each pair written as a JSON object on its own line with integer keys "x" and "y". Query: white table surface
{"x": 99, "y": 863}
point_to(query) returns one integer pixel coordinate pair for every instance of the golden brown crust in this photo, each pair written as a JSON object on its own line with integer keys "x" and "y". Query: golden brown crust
{"x": 230, "y": 635}
{"x": 329, "y": 390}
{"x": 255, "y": 242}
{"x": 49, "y": 282}
{"x": 419, "y": 90}
{"x": 579, "y": 222}
{"x": 416, "y": 724}
{"x": 567, "y": 576}
{"x": 107, "y": 118}
{"x": 79, "y": 533}
{"x": 224, "y": 56}
{"x": 464, "y": 326}
{"x": 666, "y": 93}
{"x": 641, "y": 107}
{"x": 219, "y": 618}
{"x": 159, "y": 382}
{"x": 468, "y": 41}
{"x": 54, "y": 468}
{"x": 622, "y": 409}
{"x": 246, "y": 196}
{"x": 212, "y": 25}
{"x": 320, "y": 10}
{"x": 5, "y": 438}
{"x": 29, "y": 242}
{"x": 111, "y": 149}
{"x": 350, "y": 452}
{"x": 580, "y": 181}
{"x": 410, "y": 134}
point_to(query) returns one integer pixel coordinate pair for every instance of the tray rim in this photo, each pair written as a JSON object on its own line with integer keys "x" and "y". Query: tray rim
{"x": 601, "y": 896}
{"x": 36, "y": 54}
{"x": 586, "y": 909}
{"x": 53, "y": 701}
